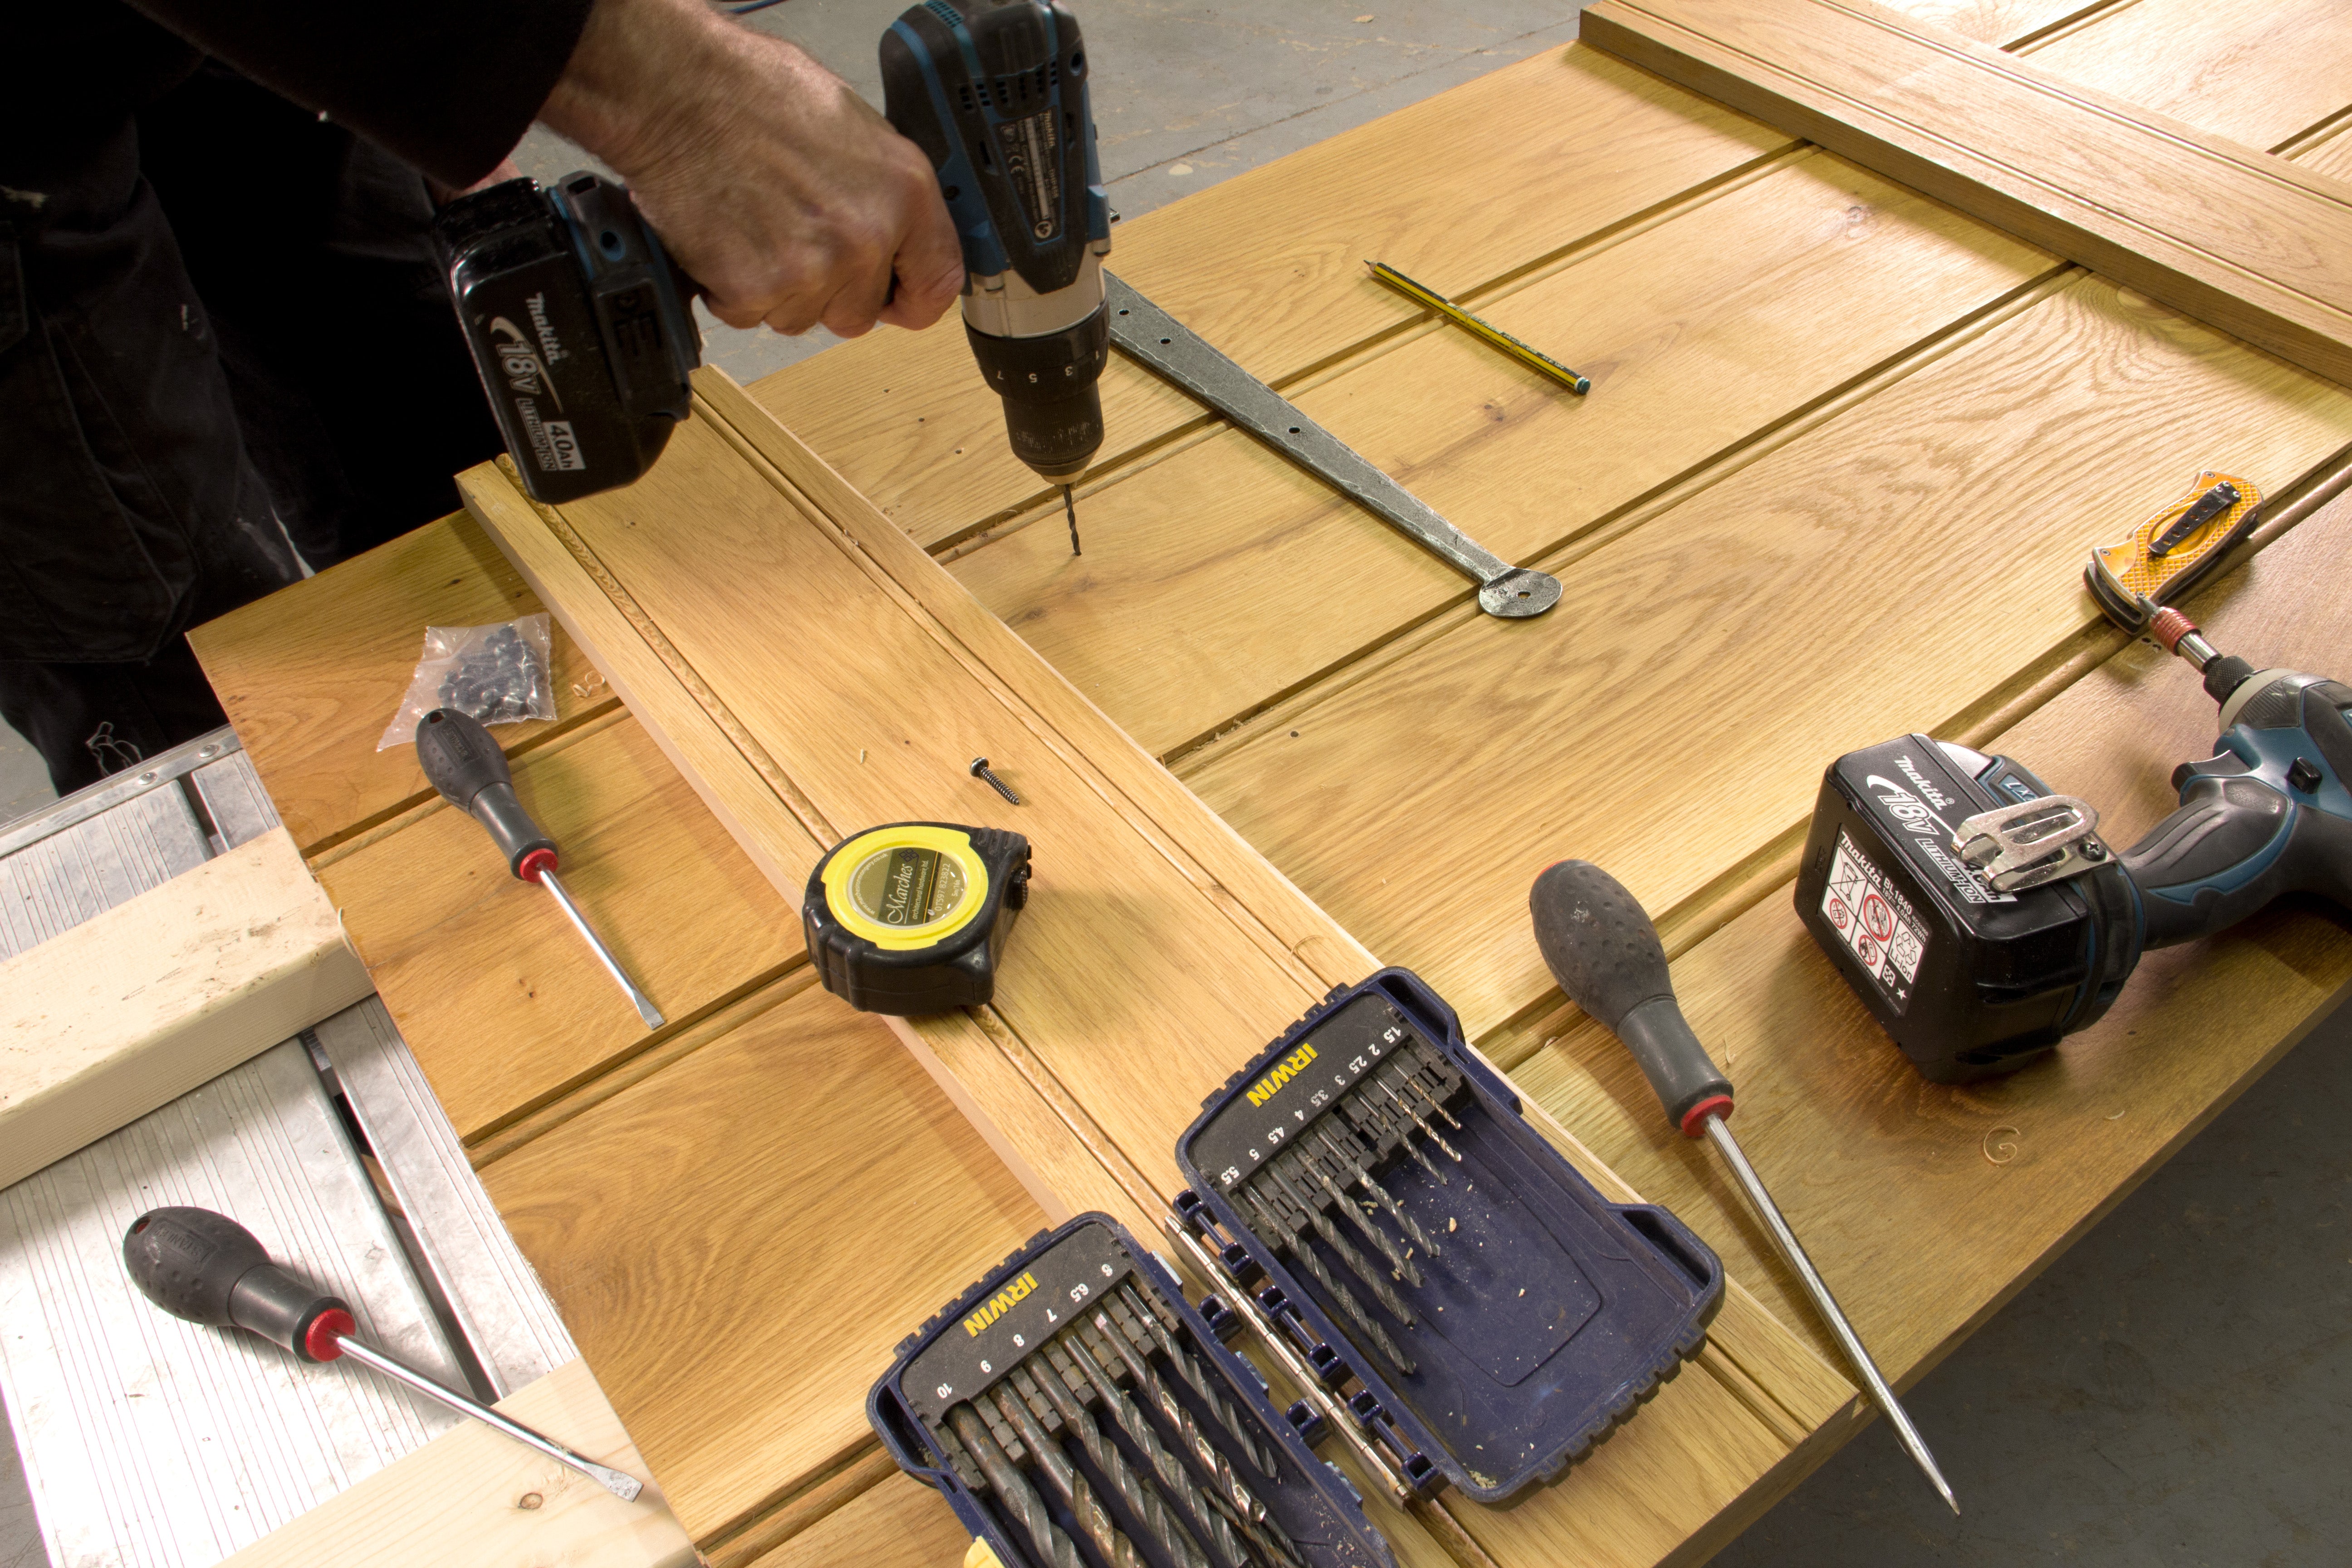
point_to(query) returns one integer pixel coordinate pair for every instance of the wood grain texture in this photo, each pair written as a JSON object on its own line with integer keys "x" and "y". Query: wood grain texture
{"x": 797, "y": 1196}
{"x": 317, "y": 670}
{"x": 103, "y": 1022}
{"x": 1467, "y": 757}
{"x": 2001, "y": 23}
{"x": 2216, "y": 229}
{"x": 2256, "y": 71}
{"x": 2331, "y": 156}
{"x": 479, "y": 1498}
{"x": 1134, "y": 879}
{"x": 2004, "y": 1175}
{"x": 462, "y": 951}
{"x": 1590, "y": 145}
{"x": 900, "y": 1523}
{"x": 1221, "y": 576}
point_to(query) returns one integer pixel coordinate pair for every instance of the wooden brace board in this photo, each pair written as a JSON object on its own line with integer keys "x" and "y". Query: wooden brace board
{"x": 1081, "y": 1082}
{"x": 2216, "y": 229}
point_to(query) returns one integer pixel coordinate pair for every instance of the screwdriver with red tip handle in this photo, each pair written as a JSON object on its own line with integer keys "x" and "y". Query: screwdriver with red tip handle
{"x": 1605, "y": 954}
{"x": 467, "y": 766}
{"x": 207, "y": 1269}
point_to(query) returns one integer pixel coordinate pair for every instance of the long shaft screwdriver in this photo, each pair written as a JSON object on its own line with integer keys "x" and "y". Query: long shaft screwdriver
{"x": 467, "y": 766}
{"x": 207, "y": 1269}
{"x": 1606, "y": 955}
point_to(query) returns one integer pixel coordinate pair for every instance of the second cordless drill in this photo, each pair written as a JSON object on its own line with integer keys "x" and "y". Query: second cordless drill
{"x": 995, "y": 92}
{"x": 1981, "y": 919}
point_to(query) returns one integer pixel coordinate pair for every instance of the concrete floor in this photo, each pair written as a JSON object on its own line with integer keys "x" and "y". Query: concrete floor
{"x": 2174, "y": 1392}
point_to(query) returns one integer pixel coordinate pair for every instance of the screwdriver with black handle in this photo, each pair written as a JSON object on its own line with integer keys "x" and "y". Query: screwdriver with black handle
{"x": 461, "y": 761}
{"x": 207, "y": 1269}
{"x": 1605, "y": 954}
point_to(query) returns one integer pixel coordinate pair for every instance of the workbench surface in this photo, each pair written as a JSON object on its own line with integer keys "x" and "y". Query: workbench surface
{"x": 1845, "y": 453}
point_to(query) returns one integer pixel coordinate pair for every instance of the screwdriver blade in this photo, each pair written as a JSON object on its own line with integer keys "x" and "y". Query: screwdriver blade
{"x": 645, "y": 1009}
{"x": 620, "y": 1484}
{"x": 1792, "y": 1253}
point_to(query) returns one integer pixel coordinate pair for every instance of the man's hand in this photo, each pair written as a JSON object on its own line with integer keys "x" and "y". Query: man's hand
{"x": 788, "y": 198}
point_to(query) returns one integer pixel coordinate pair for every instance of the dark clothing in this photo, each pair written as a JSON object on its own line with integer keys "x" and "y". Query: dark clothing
{"x": 222, "y": 331}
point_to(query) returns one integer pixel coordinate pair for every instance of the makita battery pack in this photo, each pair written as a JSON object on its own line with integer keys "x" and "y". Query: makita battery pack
{"x": 578, "y": 324}
{"x": 1970, "y": 981}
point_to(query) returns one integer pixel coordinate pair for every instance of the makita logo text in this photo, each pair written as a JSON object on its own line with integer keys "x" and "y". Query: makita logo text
{"x": 999, "y": 1304}
{"x": 1935, "y": 797}
{"x": 1290, "y": 1068}
{"x": 518, "y": 361}
{"x": 1907, "y": 808}
{"x": 549, "y": 343}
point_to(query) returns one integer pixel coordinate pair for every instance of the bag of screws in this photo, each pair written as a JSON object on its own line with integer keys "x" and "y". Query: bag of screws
{"x": 498, "y": 674}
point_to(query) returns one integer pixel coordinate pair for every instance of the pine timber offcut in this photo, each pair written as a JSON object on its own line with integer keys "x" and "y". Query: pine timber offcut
{"x": 2215, "y": 229}
{"x": 475, "y": 1496}
{"x": 1158, "y": 952}
{"x": 102, "y": 1024}
{"x": 2004, "y": 1175}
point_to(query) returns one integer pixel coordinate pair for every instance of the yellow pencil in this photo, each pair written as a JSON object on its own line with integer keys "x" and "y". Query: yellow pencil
{"x": 1424, "y": 294}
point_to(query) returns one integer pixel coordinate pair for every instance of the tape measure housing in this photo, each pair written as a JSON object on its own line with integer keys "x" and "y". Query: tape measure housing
{"x": 910, "y": 917}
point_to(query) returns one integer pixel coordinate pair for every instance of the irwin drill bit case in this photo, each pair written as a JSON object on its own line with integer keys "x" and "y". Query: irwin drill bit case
{"x": 1438, "y": 1277}
{"x": 1073, "y": 1396}
{"x": 1369, "y": 1162}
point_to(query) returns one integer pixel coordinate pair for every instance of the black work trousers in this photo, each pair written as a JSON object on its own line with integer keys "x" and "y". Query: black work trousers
{"x": 223, "y": 340}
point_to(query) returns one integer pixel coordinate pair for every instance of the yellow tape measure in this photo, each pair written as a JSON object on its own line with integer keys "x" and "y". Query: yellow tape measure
{"x": 911, "y": 917}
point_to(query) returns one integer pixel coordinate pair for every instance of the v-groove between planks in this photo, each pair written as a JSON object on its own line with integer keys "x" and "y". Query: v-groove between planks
{"x": 2223, "y": 232}
{"x": 1158, "y": 952}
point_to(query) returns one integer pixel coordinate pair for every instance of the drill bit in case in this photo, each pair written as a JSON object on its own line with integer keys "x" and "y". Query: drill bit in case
{"x": 1078, "y": 1414}
{"x": 1498, "y": 1315}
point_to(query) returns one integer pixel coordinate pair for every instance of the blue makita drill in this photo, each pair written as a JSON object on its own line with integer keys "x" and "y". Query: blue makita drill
{"x": 1980, "y": 916}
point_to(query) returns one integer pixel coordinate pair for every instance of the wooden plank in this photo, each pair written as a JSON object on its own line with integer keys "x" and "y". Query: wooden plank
{"x": 2331, "y": 156}
{"x": 1671, "y": 719}
{"x": 798, "y": 1196}
{"x": 317, "y": 670}
{"x": 1864, "y": 1155}
{"x": 478, "y": 1496}
{"x": 2002, "y": 23}
{"x": 900, "y": 1523}
{"x": 1590, "y": 145}
{"x": 462, "y": 951}
{"x": 1134, "y": 879}
{"x": 103, "y": 1022}
{"x": 2257, "y": 71}
{"x": 1190, "y": 609}
{"x": 2215, "y": 229}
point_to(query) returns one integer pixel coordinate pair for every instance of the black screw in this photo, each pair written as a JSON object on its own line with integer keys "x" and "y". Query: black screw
{"x": 980, "y": 771}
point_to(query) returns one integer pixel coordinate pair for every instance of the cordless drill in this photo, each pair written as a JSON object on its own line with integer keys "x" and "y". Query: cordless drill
{"x": 579, "y": 323}
{"x": 995, "y": 92}
{"x": 1981, "y": 917}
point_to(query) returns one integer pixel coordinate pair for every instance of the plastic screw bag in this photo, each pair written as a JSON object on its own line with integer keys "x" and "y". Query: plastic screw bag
{"x": 498, "y": 674}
